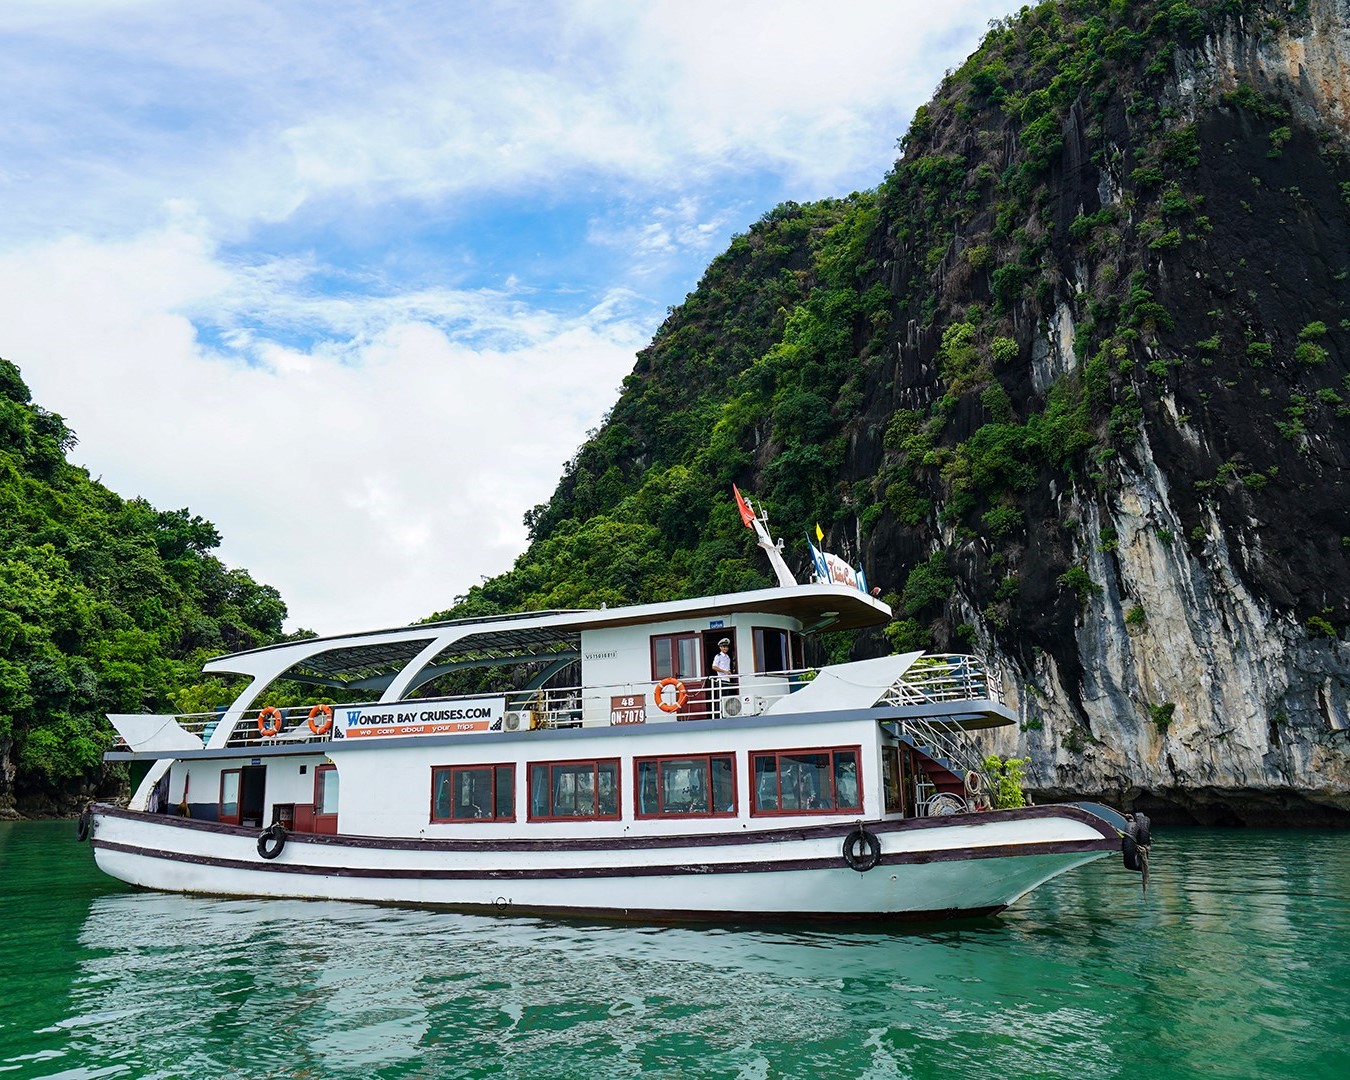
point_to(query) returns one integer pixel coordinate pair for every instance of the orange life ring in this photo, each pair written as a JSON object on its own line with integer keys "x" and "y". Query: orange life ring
{"x": 681, "y": 695}
{"x": 273, "y": 713}
{"x": 326, "y": 711}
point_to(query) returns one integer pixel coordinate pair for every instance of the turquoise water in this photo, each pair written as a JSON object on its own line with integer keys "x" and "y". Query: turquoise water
{"x": 1235, "y": 964}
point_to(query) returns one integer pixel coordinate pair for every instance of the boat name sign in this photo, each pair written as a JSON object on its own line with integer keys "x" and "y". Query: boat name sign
{"x": 401, "y": 719}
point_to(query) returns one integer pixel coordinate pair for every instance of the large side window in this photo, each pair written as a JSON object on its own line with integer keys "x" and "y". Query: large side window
{"x": 473, "y": 793}
{"x": 229, "y": 797}
{"x": 573, "y": 789}
{"x": 699, "y": 786}
{"x": 806, "y": 781}
{"x": 675, "y": 656}
{"x": 777, "y": 650}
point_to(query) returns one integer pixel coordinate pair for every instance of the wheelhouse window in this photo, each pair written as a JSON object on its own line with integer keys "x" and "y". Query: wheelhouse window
{"x": 573, "y": 789}
{"x": 777, "y": 650}
{"x": 473, "y": 793}
{"x": 806, "y": 781}
{"x": 699, "y": 786}
{"x": 229, "y": 797}
{"x": 675, "y": 656}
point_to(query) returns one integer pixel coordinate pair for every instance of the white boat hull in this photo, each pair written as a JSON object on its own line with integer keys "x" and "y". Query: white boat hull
{"x": 929, "y": 868}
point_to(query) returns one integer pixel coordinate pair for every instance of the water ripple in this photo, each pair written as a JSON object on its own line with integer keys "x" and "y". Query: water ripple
{"x": 1233, "y": 964}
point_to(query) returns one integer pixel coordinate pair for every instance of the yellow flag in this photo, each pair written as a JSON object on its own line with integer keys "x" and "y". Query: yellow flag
{"x": 819, "y": 535}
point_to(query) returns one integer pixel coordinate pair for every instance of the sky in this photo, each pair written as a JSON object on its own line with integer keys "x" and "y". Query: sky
{"x": 353, "y": 281}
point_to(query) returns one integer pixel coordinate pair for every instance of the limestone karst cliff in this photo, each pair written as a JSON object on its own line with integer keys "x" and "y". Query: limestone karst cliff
{"x": 1073, "y": 384}
{"x": 1193, "y": 228}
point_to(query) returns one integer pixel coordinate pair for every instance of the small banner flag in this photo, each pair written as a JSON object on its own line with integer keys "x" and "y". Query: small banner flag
{"x": 832, "y": 570}
{"x": 820, "y": 536}
{"x": 818, "y": 558}
{"x": 747, "y": 515}
{"x": 840, "y": 572}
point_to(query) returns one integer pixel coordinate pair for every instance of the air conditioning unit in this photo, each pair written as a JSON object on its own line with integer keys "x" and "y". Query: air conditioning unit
{"x": 731, "y": 706}
{"x": 524, "y": 720}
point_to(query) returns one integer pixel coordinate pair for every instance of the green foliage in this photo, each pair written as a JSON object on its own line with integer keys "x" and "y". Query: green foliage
{"x": 1317, "y": 626}
{"x": 905, "y": 502}
{"x": 928, "y": 585}
{"x": 1162, "y": 714}
{"x": 1002, "y": 520}
{"x": 960, "y": 360}
{"x": 906, "y": 635}
{"x": 1004, "y": 350}
{"x": 1006, "y": 775}
{"x": 1278, "y": 137}
{"x": 1077, "y": 580}
{"x": 1136, "y": 616}
{"x": 105, "y": 605}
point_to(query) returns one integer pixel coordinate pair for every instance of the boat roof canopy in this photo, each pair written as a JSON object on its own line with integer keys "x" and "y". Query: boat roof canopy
{"x": 372, "y": 659}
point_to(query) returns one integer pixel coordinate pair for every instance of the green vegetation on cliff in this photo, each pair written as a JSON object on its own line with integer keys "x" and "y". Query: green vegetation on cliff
{"x": 1109, "y": 270}
{"x": 106, "y": 605}
{"x": 1071, "y": 275}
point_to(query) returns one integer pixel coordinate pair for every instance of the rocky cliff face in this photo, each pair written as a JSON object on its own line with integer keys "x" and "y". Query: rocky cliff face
{"x": 1200, "y": 672}
{"x": 1073, "y": 384}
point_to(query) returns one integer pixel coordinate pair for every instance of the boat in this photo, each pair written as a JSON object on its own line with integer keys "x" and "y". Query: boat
{"x": 596, "y": 763}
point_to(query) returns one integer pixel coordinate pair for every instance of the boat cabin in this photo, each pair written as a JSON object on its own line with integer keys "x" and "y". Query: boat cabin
{"x": 618, "y": 715}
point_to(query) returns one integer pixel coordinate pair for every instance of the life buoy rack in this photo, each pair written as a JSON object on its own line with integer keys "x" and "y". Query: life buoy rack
{"x": 862, "y": 849}
{"x": 659, "y": 694}
{"x": 270, "y": 721}
{"x": 321, "y": 728}
{"x": 271, "y": 840}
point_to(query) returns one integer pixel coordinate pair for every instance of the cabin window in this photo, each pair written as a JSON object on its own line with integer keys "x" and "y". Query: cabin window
{"x": 893, "y": 778}
{"x": 675, "y": 656}
{"x": 326, "y": 789}
{"x": 776, "y": 650}
{"x": 701, "y": 786}
{"x": 229, "y": 796}
{"x": 573, "y": 789}
{"x": 473, "y": 793}
{"x": 806, "y": 781}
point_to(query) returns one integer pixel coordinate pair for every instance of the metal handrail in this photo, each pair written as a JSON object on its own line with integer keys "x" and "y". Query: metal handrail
{"x": 930, "y": 679}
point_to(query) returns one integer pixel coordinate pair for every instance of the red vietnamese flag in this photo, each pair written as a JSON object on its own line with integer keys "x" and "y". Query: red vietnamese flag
{"x": 747, "y": 515}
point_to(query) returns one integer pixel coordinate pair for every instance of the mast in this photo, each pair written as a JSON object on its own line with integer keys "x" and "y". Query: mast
{"x": 760, "y": 523}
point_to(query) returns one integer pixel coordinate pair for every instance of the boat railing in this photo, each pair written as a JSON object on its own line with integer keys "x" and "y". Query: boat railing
{"x": 941, "y": 677}
{"x": 930, "y": 679}
{"x": 937, "y": 678}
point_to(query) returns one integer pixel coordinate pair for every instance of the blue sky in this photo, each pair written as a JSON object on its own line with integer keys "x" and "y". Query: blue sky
{"x": 353, "y": 280}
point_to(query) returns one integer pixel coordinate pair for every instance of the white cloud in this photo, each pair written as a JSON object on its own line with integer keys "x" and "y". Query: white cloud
{"x": 365, "y": 441}
{"x": 370, "y": 480}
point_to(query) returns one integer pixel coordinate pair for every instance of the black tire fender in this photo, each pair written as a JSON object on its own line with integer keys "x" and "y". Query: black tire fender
{"x": 271, "y": 840}
{"x": 862, "y": 850}
{"x": 84, "y": 825}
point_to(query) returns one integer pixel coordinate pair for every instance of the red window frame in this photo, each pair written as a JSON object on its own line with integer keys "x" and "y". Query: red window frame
{"x": 236, "y": 817}
{"x": 671, "y": 644}
{"x": 778, "y": 755}
{"x": 550, "y": 812}
{"x": 497, "y": 770}
{"x": 660, "y": 812}
{"x": 325, "y": 819}
{"x": 320, "y": 772}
